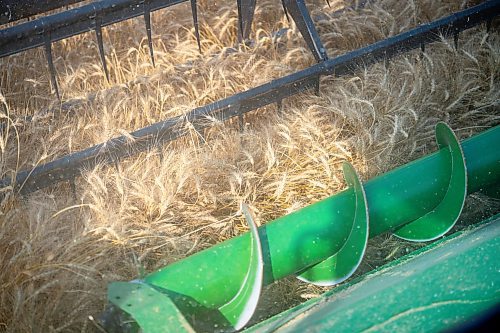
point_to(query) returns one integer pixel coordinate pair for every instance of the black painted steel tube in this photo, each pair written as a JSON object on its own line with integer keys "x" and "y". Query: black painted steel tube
{"x": 13, "y": 10}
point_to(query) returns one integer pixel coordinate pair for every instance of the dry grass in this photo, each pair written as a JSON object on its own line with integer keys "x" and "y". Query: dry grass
{"x": 59, "y": 252}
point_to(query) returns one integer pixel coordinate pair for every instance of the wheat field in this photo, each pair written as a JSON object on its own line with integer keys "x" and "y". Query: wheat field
{"x": 60, "y": 248}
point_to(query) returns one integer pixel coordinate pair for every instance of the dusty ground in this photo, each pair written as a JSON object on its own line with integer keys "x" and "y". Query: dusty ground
{"x": 59, "y": 252}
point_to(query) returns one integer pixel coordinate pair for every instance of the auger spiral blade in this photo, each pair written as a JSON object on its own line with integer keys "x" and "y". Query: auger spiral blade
{"x": 246, "y": 11}
{"x": 442, "y": 218}
{"x": 301, "y": 17}
{"x": 158, "y": 309}
{"x": 239, "y": 310}
{"x": 147, "y": 22}
{"x": 50, "y": 62}
{"x": 344, "y": 263}
{"x": 194, "y": 11}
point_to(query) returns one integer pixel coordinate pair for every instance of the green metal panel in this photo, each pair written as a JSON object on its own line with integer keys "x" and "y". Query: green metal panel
{"x": 437, "y": 287}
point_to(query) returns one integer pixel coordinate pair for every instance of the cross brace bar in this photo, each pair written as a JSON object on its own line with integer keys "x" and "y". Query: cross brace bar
{"x": 298, "y": 10}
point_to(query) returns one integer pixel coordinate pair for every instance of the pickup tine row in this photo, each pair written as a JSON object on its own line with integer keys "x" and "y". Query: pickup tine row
{"x": 94, "y": 16}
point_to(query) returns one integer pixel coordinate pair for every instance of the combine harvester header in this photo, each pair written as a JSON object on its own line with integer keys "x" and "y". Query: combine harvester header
{"x": 218, "y": 289}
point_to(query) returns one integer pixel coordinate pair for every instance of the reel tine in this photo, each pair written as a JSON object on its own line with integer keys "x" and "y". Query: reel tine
{"x": 160, "y": 154}
{"x": 488, "y": 29}
{"x": 50, "y": 61}
{"x": 246, "y": 11}
{"x": 360, "y": 4}
{"x": 279, "y": 105}
{"x": 285, "y": 10}
{"x": 98, "y": 35}
{"x": 72, "y": 184}
{"x": 194, "y": 11}
{"x": 100, "y": 45}
{"x": 240, "y": 20}
{"x": 422, "y": 51}
{"x": 241, "y": 122}
{"x": 147, "y": 22}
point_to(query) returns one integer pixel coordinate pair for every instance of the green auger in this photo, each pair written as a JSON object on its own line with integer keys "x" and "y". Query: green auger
{"x": 218, "y": 288}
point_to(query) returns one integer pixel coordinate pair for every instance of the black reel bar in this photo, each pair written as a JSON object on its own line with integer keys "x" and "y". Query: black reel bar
{"x": 13, "y": 10}
{"x": 69, "y": 166}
